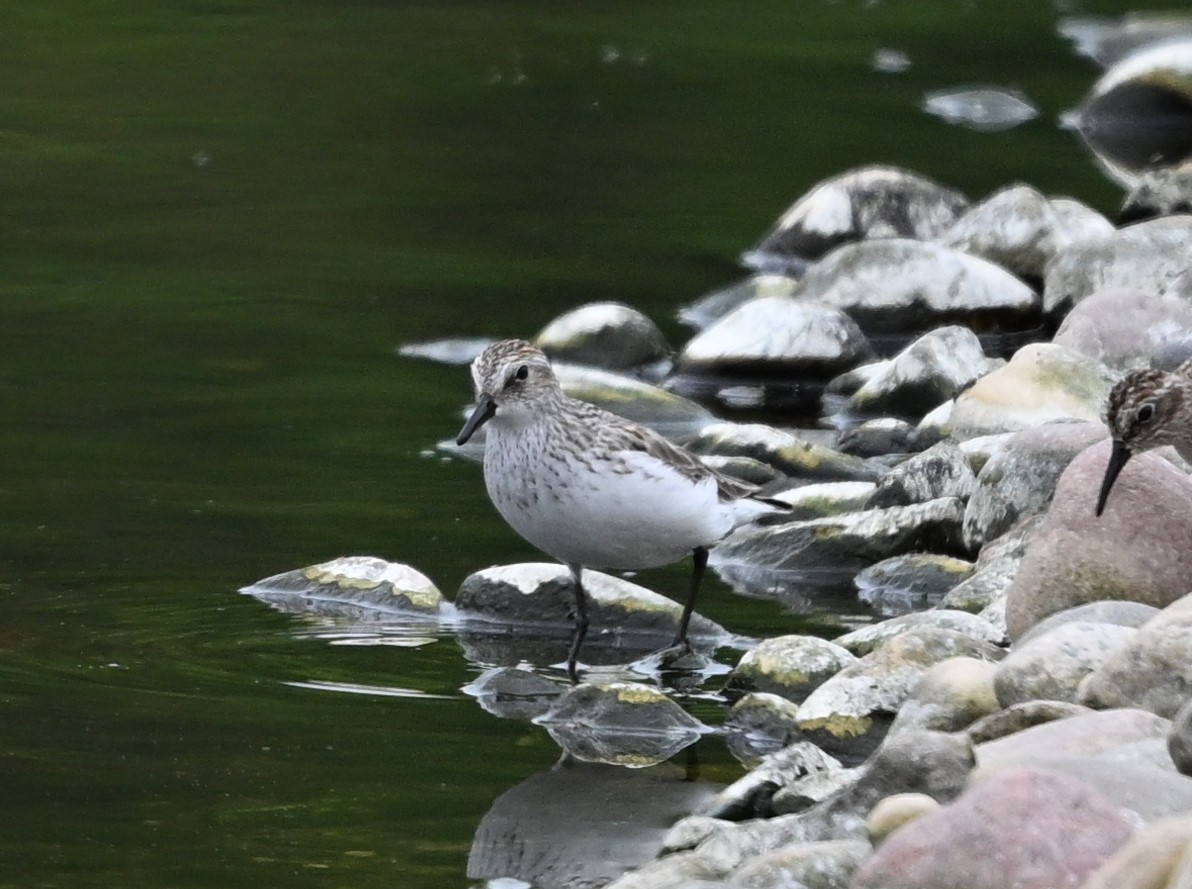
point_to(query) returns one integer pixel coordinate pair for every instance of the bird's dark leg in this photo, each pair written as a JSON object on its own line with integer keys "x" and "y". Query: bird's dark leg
{"x": 580, "y": 629}
{"x": 700, "y": 562}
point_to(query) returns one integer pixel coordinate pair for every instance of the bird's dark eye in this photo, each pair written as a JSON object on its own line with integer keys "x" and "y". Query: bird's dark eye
{"x": 1145, "y": 412}
{"x": 522, "y": 372}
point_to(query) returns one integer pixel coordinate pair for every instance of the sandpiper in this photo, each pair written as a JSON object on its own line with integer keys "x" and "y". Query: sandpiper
{"x": 592, "y": 489}
{"x": 1148, "y": 409}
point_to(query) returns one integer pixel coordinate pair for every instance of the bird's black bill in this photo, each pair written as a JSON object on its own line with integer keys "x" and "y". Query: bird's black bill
{"x": 1117, "y": 459}
{"x": 485, "y": 408}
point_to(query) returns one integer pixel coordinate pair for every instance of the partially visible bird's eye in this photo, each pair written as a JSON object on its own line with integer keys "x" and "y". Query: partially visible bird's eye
{"x": 524, "y": 371}
{"x": 1145, "y": 412}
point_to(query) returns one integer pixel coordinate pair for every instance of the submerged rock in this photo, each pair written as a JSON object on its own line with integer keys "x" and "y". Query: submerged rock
{"x": 760, "y": 724}
{"x": 608, "y": 335}
{"x": 513, "y": 693}
{"x": 866, "y": 202}
{"x": 910, "y": 582}
{"x": 363, "y": 588}
{"x": 985, "y": 109}
{"x": 715, "y": 305}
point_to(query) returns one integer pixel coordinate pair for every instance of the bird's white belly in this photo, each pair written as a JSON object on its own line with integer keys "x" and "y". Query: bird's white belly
{"x": 620, "y": 514}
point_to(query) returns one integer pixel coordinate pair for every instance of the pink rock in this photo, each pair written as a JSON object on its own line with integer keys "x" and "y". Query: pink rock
{"x": 1024, "y": 828}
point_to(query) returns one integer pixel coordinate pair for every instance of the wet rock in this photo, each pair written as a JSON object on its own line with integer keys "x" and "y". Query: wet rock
{"x": 1050, "y": 666}
{"x": 1179, "y": 739}
{"x": 933, "y": 763}
{"x": 1020, "y": 478}
{"x": 1019, "y": 229}
{"x": 940, "y": 471}
{"x": 1076, "y": 557}
{"x": 760, "y": 724}
{"x": 850, "y": 713}
{"x": 1109, "y": 40}
{"x": 997, "y": 565}
{"x": 663, "y": 411}
{"x": 903, "y": 287}
{"x": 607, "y": 334}
{"x": 932, "y": 369}
{"x": 951, "y": 696}
{"x": 1136, "y": 117}
{"x": 513, "y": 693}
{"x": 885, "y": 435}
{"x": 1152, "y": 670}
{"x": 620, "y": 723}
{"x": 1022, "y": 828}
{"x": 911, "y": 582}
{"x": 1165, "y": 191}
{"x": 1127, "y": 328}
{"x": 745, "y": 468}
{"x": 1042, "y": 383}
{"x": 715, "y": 305}
{"x": 538, "y": 598}
{"x": 798, "y": 768}
{"x": 984, "y": 109}
{"x": 1147, "y": 256}
{"x": 1017, "y": 717}
{"x": 777, "y": 334}
{"x": 828, "y": 552}
{"x": 360, "y": 588}
{"x": 826, "y": 499}
{"x": 894, "y": 811}
{"x": 869, "y": 638}
{"x": 785, "y": 452}
{"x": 866, "y": 202}
{"x": 1154, "y": 858}
{"x": 790, "y": 666}
{"x": 1122, "y": 614}
{"x": 825, "y": 865}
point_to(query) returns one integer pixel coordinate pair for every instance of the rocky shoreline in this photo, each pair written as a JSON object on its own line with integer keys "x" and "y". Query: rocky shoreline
{"x": 1021, "y": 716}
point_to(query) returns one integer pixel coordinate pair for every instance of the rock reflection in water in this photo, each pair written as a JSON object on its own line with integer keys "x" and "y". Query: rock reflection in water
{"x": 582, "y": 824}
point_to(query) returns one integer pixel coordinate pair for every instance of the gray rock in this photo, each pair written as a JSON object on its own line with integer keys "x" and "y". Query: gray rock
{"x": 1179, "y": 739}
{"x": 1127, "y": 328}
{"x": 359, "y": 588}
{"x": 884, "y": 435}
{"x": 1051, "y": 666}
{"x": 620, "y": 723}
{"x": 932, "y": 369}
{"x": 996, "y": 568}
{"x": 866, "y": 202}
{"x": 663, "y": 411}
{"x": 949, "y": 697}
{"x": 1020, "y": 478}
{"x": 536, "y": 599}
{"x": 1020, "y": 230}
{"x": 1042, "y": 383}
{"x": 746, "y": 469}
{"x": 1161, "y": 191}
{"x": 911, "y": 582}
{"x": 1148, "y": 256}
{"x": 1097, "y": 734}
{"x": 1122, "y": 614}
{"x": 1077, "y": 557}
{"x": 777, "y": 334}
{"x": 800, "y": 767}
{"x": 1017, "y": 717}
{"x": 787, "y": 453}
{"x": 984, "y": 109}
{"x": 1153, "y": 670}
{"x": 607, "y": 334}
{"x": 1022, "y": 828}
{"x": 940, "y": 471}
{"x": 1109, "y": 40}
{"x": 828, "y": 552}
{"x": 850, "y": 713}
{"x": 715, "y": 305}
{"x": 899, "y": 286}
{"x": 825, "y": 865}
{"x": 759, "y": 724}
{"x": 790, "y": 666}
{"x": 869, "y": 638}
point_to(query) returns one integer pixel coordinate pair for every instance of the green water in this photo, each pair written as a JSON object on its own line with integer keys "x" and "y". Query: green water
{"x": 219, "y": 220}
